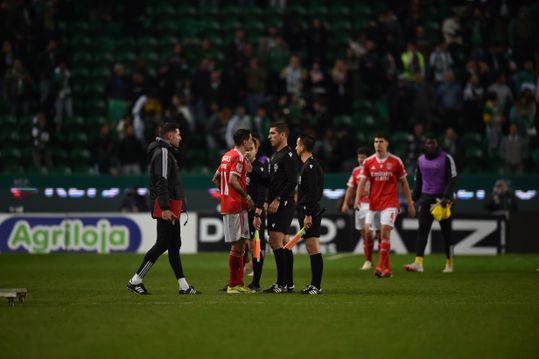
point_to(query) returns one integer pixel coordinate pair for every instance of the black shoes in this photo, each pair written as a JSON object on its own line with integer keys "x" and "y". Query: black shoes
{"x": 188, "y": 291}
{"x": 137, "y": 288}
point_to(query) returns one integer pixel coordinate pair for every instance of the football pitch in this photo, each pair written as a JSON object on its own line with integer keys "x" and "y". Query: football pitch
{"x": 78, "y": 306}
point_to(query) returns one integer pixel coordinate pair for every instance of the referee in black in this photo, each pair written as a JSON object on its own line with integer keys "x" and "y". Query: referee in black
{"x": 256, "y": 188}
{"x": 310, "y": 187}
{"x": 283, "y": 178}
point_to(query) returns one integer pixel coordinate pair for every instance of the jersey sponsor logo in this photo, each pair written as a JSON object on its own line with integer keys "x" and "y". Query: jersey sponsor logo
{"x": 382, "y": 176}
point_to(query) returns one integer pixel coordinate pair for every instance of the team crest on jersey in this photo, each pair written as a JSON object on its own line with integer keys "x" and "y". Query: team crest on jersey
{"x": 247, "y": 180}
{"x": 239, "y": 167}
{"x": 290, "y": 154}
{"x": 275, "y": 167}
{"x": 389, "y": 166}
{"x": 299, "y": 180}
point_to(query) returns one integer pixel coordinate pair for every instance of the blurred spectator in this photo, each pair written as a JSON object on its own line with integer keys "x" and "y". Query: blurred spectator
{"x": 47, "y": 62}
{"x": 241, "y": 119}
{"x": 317, "y": 41}
{"x": 450, "y": 143}
{"x": 216, "y": 129}
{"x": 504, "y": 96}
{"x": 415, "y": 147}
{"x": 293, "y": 31}
{"x": 422, "y": 43}
{"x": 522, "y": 31}
{"x": 513, "y": 151}
{"x": 525, "y": 76}
{"x": 493, "y": 118}
{"x": 17, "y": 87}
{"x": 370, "y": 70}
{"x": 256, "y": 79}
{"x": 316, "y": 82}
{"x": 261, "y": 122}
{"x": 133, "y": 202}
{"x": 41, "y": 138}
{"x": 341, "y": 98}
{"x": 118, "y": 86}
{"x": 523, "y": 114}
{"x": 449, "y": 99}
{"x": 102, "y": 151}
{"x": 400, "y": 102}
{"x": 451, "y": 29}
{"x": 180, "y": 113}
{"x": 413, "y": 62}
{"x": 501, "y": 200}
{"x": 130, "y": 153}
{"x": 293, "y": 75}
{"x": 424, "y": 98}
{"x": 473, "y": 103}
{"x": 440, "y": 61}
{"x": 62, "y": 92}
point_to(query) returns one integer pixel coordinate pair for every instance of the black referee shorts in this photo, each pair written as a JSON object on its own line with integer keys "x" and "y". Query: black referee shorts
{"x": 314, "y": 231}
{"x": 261, "y": 231}
{"x": 280, "y": 221}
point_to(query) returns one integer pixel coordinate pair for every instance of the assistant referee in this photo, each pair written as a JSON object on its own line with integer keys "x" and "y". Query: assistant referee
{"x": 310, "y": 187}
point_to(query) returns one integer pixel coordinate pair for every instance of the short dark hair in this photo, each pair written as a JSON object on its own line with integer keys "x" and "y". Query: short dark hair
{"x": 168, "y": 127}
{"x": 281, "y": 127}
{"x": 430, "y": 136}
{"x": 308, "y": 142}
{"x": 241, "y": 135}
{"x": 381, "y": 135}
{"x": 363, "y": 151}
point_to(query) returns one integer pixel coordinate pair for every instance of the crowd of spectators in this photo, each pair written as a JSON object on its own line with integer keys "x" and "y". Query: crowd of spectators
{"x": 479, "y": 72}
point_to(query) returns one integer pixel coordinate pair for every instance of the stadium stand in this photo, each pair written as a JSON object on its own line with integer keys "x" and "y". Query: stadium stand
{"x": 140, "y": 63}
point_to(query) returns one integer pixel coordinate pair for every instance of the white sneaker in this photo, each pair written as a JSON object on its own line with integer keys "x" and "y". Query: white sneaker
{"x": 413, "y": 267}
{"x": 448, "y": 269}
{"x": 367, "y": 265}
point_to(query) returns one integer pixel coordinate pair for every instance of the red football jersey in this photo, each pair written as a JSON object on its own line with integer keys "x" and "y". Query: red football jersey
{"x": 383, "y": 175}
{"x": 232, "y": 164}
{"x": 353, "y": 181}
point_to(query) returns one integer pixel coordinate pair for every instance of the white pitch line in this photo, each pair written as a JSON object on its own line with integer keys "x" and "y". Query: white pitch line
{"x": 340, "y": 256}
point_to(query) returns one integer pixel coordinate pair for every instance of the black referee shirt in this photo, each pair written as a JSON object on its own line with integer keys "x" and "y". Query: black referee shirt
{"x": 310, "y": 186}
{"x": 256, "y": 180}
{"x": 283, "y": 174}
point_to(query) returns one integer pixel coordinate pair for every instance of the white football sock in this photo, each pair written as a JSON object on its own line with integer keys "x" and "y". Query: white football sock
{"x": 183, "y": 283}
{"x": 136, "y": 279}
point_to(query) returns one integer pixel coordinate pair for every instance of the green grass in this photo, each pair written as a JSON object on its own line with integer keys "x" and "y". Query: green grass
{"x": 78, "y": 307}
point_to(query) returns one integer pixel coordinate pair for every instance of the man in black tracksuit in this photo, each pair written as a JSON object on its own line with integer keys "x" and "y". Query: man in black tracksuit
{"x": 165, "y": 185}
{"x": 257, "y": 189}
{"x": 310, "y": 188}
{"x": 283, "y": 178}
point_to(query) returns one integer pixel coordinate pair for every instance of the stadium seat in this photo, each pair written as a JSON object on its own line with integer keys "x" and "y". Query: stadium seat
{"x": 8, "y": 121}
{"x": 317, "y": 11}
{"x": 472, "y": 139}
{"x": 79, "y": 157}
{"x": 400, "y": 138}
{"x": 339, "y": 11}
{"x": 186, "y": 12}
{"x": 11, "y": 156}
{"x": 74, "y": 123}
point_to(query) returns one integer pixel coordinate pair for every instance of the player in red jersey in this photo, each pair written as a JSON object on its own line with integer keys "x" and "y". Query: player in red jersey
{"x": 384, "y": 171}
{"x": 360, "y": 213}
{"x": 231, "y": 179}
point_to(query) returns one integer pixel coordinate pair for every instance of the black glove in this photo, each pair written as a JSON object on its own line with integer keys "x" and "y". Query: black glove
{"x": 444, "y": 202}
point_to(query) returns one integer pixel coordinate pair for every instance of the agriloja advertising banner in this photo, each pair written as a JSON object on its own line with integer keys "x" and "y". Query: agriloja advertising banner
{"x": 136, "y": 233}
{"x": 93, "y": 233}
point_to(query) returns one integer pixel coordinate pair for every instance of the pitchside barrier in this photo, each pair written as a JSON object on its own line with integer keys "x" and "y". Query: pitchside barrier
{"x": 119, "y": 232}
